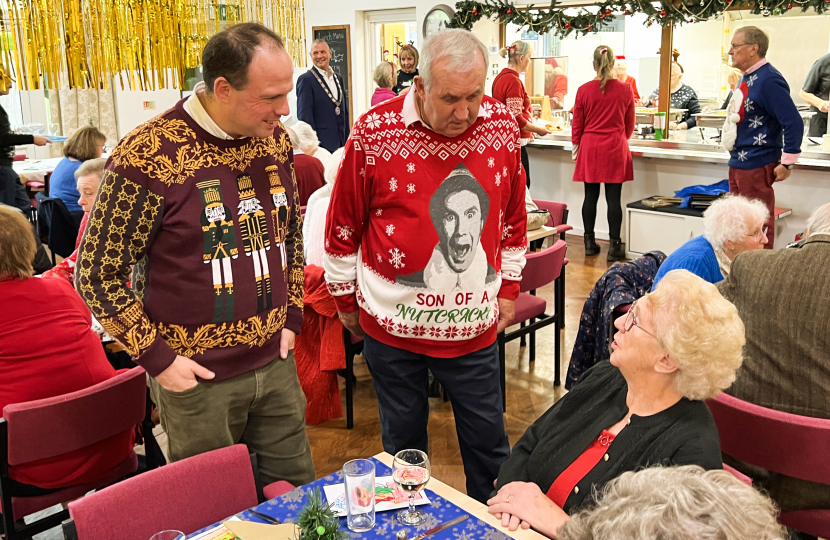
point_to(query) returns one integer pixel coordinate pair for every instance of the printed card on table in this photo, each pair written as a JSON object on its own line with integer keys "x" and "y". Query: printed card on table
{"x": 387, "y": 496}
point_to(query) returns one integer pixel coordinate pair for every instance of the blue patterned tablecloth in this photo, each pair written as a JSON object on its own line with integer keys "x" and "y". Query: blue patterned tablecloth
{"x": 287, "y": 507}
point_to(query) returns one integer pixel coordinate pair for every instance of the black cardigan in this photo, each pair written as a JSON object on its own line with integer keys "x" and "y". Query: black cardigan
{"x": 683, "y": 434}
{"x": 8, "y": 140}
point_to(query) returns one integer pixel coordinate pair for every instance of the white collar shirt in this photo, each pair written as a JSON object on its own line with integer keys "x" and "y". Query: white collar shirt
{"x": 330, "y": 81}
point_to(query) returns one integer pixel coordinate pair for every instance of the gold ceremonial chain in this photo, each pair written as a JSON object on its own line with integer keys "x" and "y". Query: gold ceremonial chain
{"x": 60, "y": 44}
{"x": 326, "y": 86}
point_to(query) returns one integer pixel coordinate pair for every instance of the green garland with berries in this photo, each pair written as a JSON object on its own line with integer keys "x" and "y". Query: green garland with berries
{"x": 554, "y": 20}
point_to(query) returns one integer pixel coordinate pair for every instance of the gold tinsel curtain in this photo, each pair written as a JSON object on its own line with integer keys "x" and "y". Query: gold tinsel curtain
{"x": 143, "y": 44}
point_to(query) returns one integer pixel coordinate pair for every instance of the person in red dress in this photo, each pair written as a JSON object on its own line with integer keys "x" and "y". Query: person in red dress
{"x": 510, "y": 90}
{"x": 602, "y": 122}
{"x": 47, "y": 349}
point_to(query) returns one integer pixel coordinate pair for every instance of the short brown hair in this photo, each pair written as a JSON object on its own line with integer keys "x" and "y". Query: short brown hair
{"x": 229, "y": 53}
{"x": 411, "y": 51}
{"x": 385, "y": 75}
{"x": 83, "y": 144}
{"x": 17, "y": 244}
{"x": 755, "y": 36}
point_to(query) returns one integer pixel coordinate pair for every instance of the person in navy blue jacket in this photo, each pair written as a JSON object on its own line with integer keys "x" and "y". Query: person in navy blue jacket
{"x": 763, "y": 130}
{"x": 322, "y": 99}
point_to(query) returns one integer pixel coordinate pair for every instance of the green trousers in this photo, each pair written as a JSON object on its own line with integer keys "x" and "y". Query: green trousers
{"x": 264, "y": 409}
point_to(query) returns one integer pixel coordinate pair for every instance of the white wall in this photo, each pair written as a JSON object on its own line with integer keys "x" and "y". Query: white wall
{"x": 129, "y": 105}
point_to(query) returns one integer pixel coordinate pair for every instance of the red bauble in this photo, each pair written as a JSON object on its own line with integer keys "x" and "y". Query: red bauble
{"x": 649, "y": 24}
{"x": 608, "y": 12}
{"x": 628, "y": 12}
{"x": 602, "y": 15}
{"x": 510, "y": 12}
{"x": 662, "y": 12}
{"x": 475, "y": 12}
{"x": 567, "y": 25}
{"x": 790, "y": 6}
{"x": 589, "y": 28}
{"x": 691, "y": 20}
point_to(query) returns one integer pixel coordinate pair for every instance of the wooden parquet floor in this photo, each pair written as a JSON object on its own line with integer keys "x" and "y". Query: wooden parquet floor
{"x": 530, "y": 390}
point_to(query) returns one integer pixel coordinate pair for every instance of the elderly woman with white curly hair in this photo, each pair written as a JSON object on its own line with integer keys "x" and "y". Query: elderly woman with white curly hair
{"x": 731, "y": 225}
{"x": 676, "y": 503}
{"x": 678, "y": 346}
{"x": 304, "y": 138}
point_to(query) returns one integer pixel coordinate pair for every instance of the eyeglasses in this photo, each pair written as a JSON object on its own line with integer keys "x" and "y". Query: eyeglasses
{"x": 738, "y": 46}
{"x": 631, "y": 321}
{"x": 760, "y": 234}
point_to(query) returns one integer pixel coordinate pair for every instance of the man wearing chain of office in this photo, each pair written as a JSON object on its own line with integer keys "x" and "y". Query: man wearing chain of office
{"x": 322, "y": 101}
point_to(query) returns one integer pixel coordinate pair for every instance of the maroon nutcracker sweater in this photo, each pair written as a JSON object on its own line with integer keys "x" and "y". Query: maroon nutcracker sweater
{"x": 211, "y": 229}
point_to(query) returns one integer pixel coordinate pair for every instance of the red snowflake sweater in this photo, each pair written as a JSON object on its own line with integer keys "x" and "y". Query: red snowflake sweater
{"x": 424, "y": 233}
{"x": 510, "y": 90}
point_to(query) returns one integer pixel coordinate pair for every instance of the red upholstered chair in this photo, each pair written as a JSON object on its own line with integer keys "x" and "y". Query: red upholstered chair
{"x": 737, "y": 474}
{"x": 558, "y": 218}
{"x": 185, "y": 496}
{"x": 781, "y": 442}
{"x": 46, "y": 428}
{"x": 542, "y": 267}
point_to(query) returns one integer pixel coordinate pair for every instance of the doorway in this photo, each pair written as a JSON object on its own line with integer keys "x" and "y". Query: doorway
{"x": 386, "y": 32}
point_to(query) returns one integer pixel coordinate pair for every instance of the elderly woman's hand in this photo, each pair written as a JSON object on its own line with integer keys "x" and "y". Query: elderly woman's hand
{"x": 523, "y": 504}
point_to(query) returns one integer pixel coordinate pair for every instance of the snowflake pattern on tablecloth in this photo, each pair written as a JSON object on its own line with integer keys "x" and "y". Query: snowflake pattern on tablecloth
{"x": 751, "y": 80}
{"x": 463, "y": 535}
{"x": 755, "y": 123}
{"x": 393, "y": 185}
{"x": 493, "y": 534}
{"x": 344, "y": 232}
{"x": 410, "y": 188}
{"x": 491, "y": 162}
{"x": 397, "y": 258}
{"x": 295, "y": 495}
{"x": 498, "y": 179}
{"x": 410, "y": 168}
{"x": 390, "y": 230}
{"x": 760, "y": 139}
{"x": 749, "y": 105}
{"x": 379, "y": 212}
{"x": 742, "y": 155}
{"x": 373, "y": 120}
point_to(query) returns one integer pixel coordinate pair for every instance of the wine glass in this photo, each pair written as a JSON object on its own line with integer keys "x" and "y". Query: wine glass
{"x": 410, "y": 470}
{"x": 168, "y": 535}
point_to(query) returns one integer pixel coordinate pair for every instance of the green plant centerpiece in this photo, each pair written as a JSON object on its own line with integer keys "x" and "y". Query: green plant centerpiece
{"x": 317, "y": 520}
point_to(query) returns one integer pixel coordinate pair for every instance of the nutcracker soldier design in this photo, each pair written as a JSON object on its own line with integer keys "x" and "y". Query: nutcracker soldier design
{"x": 280, "y": 212}
{"x": 220, "y": 247}
{"x": 253, "y": 227}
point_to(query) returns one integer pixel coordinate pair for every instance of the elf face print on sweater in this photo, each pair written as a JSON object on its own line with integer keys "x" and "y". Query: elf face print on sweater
{"x": 458, "y": 210}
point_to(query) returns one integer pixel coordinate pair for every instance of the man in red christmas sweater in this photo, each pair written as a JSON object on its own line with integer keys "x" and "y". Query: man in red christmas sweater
{"x": 425, "y": 243}
{"x": 202, "y": 201}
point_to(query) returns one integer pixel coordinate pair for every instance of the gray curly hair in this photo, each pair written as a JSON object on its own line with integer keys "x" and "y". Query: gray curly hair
{"x": 676, "y": 503}
{"x": 732, "y": 217}
{"x": 304, "y": 137}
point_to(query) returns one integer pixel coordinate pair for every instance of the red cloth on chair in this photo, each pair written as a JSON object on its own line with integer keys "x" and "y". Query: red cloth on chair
{"x": 319, "y": 350}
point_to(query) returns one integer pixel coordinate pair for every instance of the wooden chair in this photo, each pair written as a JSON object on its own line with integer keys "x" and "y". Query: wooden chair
{"x": 51, "y": 427}
{"x": 781, "y": 442}
{"x": 542, "y": 267}
{"x": 185, "y": 496}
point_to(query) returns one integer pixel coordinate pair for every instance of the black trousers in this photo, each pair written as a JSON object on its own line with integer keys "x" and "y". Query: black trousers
{"x": 472, "y": 381}
{"x": 526, "y": 164}
{"x": 613, "y": 192}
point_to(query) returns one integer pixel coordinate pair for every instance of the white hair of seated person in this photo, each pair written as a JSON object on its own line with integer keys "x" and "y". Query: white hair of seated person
{"x": 304, "y": 138}
{"x": 676, "y": 503}
{"x": 332, "y": 165}
{"x": 457, "y": 47}
{"x": 732, "y": 217}
{"x": 314, "y": 224}
{"x": 819, "y": 221}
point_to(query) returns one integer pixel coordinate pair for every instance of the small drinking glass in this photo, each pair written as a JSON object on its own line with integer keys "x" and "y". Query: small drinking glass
{"x": 168, "y": 535}
{"x": 359, "y": 484}
{"x": 411, "y": 471}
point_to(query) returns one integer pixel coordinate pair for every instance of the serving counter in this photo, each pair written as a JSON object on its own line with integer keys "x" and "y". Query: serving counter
{"x": 663, "y": 167}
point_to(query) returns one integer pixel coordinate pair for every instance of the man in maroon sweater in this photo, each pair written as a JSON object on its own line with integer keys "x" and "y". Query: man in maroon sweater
{"x": 201, "y": 203}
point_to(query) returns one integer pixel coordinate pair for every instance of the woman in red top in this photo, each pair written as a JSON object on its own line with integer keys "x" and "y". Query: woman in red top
{"x": 602, "y": 123}
{"x": 510, "y": 90}
{"x": 48, "y": 348}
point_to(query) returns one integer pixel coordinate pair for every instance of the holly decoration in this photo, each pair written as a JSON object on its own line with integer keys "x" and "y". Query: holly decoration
{"x": 563, "y": 21}
{"x": 317, "y": 522}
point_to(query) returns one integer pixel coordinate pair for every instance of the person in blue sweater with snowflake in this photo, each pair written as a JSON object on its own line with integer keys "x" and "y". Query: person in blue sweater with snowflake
{"x": 763, "y": 130}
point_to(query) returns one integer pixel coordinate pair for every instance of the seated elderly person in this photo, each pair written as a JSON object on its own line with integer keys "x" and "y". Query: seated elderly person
{"x": 88, "y": 177}
{"x": 678, "y": 346}
{"x": 48, "y": 349}
{"x": 308, "y": 169}
{"x": 314, "y": 221}
{"x": 676, "y": 503}
{"x": 304, "y": 138}
{"x": 732, "y": 225}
